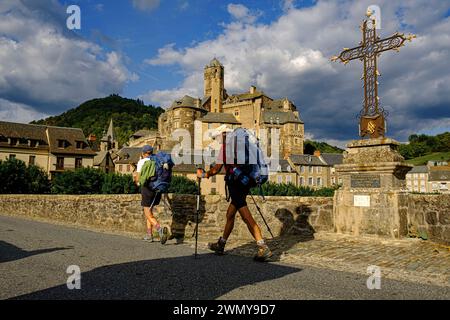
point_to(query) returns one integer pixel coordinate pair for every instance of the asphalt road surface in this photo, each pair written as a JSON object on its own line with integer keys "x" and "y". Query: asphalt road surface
{"x": 34, "y": 258}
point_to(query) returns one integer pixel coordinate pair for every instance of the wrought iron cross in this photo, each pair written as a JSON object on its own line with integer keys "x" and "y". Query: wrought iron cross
{"x": 372, "y": 117}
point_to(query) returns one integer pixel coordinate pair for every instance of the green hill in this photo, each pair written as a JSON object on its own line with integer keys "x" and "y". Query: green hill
{"x": 422, "y": 148}
{"x": 311, "y": 146}
{"x": 436, "y": 156}
{"x": 93, "y": 117}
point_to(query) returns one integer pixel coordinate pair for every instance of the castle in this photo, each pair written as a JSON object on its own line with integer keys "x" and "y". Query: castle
{"x": 252, "y": 110}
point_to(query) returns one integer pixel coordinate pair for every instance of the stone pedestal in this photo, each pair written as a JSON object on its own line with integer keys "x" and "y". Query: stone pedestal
{"x": 373, "y": 198}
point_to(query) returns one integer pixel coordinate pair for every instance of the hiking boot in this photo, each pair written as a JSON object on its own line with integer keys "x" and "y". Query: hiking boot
{"x": 148, "y": 238}
{"x": 164, "y": 235}
{"x": 263, "y": 255}
{"x": 218, "y": 247}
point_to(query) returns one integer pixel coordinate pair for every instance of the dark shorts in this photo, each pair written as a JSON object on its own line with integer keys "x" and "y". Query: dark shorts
{"x": 150, "y": 198}
{"x": 238, "y": 194}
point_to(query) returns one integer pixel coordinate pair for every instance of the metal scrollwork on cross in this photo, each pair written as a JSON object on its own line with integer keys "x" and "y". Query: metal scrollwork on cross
{"x": 372, "y": 117}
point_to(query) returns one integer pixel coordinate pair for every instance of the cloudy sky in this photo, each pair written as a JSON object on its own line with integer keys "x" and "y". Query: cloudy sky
{"x": 156, "y": 50}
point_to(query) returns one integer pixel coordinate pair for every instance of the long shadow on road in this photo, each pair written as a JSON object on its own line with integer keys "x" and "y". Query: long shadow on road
{"x": 180, "y": 278}
{"x": 9, "y": 252}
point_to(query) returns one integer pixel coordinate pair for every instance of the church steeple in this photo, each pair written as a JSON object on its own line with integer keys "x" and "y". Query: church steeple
{"x": 109, "y": 141}
{"x": 214, "y": 84}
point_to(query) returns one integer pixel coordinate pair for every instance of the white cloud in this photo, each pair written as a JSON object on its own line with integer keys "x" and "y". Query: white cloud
{"x": 242, "y": 14}
{"x": 47, "y": 67}
{"x": 16, "y": 112}
{"x": 290, "y": 57}
{"x": 288, "y": 5}
{"x": 146, "y": 5}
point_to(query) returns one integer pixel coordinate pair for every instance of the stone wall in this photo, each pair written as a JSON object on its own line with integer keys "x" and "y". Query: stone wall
{"x": 426, "y": 216}
{"x": 429, "y": 217}
{"x": 123, "y": 213}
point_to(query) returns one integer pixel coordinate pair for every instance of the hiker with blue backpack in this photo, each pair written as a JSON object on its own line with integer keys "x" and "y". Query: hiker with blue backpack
{"x": 153, "y": 175}
{"x": 244, "y": 169}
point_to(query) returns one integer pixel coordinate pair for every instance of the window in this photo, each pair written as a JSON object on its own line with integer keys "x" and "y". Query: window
{"x": 280, "y": 179}
{"x": 213, "y": 191}
{"x": 319, "y": 169}
{"x": 302, "y": 182}
{"x": 120, "y": 167}
{"x": 61, "y": 143}
{"x": 319, "y": 181}
{"x": 14, "y": 142}
{"x": 60, "y": 163}
{"x": 311, "y": 169}
{"x": 12, "y": 156}
{"x": 333, "y": 180}
{"x": 236, "y": 113}
{"x": 78, "y": 163}
{"x": 302, "y": 169}
{"x": 289, "y": 179}
{"x": 310, "y": 181}
{"x": 32, "y": 160}
{"x": 213, "y": 179}
{"x": 80, "y": 144}
{"x": 128, "y": 168}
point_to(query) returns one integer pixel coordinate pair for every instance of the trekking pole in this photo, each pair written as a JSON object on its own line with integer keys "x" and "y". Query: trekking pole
{"x": 259, "y": 210}
{"x": 198, "y": 212}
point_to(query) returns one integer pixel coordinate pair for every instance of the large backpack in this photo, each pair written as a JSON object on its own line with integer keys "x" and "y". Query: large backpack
{"x": 242, "y": 152}
{"x": 163, "y": 173}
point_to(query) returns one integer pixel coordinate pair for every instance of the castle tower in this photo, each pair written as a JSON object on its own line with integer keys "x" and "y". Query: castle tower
{"x": 214, "y": 85}
{"x": 109, "y": 141}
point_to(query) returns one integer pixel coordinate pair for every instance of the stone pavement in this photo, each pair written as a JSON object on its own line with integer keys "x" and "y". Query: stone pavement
{"x": 412, "y": 260}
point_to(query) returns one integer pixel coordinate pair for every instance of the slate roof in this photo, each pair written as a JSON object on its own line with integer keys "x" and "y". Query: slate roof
{"x": 186, "y": 101}
{"x": 71, "y": 136}
{"x": 419, "y": 169}
{"x": 280, "y": 117}
{"x": 439, "y": 175}
{"x": 100, "y": 157}
{"x": 306, "y": 159}
{"x": 215, "y": 63}
{"x": 110, "y": 135}
{"x": 216, "y": 117}
{"x": 47, "y": 136}
{"x": 143, "y": 133}
{"x": 129, "y": 155}
{"x": 332, "y": 159}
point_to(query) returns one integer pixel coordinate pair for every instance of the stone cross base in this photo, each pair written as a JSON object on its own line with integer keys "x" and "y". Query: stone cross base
{"x": 373, "y": 197}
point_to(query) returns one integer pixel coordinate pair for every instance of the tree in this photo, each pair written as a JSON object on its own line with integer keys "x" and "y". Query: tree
{"x": 17, "y": 178}
{"x": 80, "y": 181}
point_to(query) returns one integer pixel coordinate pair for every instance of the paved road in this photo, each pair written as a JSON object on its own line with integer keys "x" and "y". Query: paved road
{"x": 34, "y": 258}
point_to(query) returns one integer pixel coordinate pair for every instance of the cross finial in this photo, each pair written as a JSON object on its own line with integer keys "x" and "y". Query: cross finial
{"x": 372, "y": 116}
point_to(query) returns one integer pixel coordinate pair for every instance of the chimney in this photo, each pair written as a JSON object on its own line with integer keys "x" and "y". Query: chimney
{"x": 317, "y": 153}
{"x": 252, "y": 89}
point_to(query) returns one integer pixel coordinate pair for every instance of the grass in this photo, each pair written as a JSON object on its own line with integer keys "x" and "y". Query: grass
{"x": 438, "y": 156}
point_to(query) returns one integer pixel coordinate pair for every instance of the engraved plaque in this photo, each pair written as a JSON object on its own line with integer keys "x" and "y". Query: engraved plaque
{"x": 361, "y": 201}
{"x": 365, "y": 181}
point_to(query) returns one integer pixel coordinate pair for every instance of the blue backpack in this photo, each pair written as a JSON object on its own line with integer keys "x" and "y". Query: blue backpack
{"x": 164, "y": 164}
{"x": 249, "y": 167}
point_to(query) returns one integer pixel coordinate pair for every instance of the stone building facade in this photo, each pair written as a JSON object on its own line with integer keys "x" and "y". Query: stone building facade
{"x": 54, "y": 149}
{"x": 252, "y": 110}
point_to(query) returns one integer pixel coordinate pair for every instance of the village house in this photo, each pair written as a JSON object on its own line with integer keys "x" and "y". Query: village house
{"x": 54, "y": 149}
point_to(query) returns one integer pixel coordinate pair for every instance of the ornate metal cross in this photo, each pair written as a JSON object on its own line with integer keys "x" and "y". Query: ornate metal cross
{"x": 372, "y": 117}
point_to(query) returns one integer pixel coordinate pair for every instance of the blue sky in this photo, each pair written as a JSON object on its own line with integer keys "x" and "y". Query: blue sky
{"x": 138, "y": 34}
{"x": 155, "y": 50}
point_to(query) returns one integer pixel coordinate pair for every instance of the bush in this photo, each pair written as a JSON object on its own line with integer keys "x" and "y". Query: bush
{"x": 17, "y": 178}
{"x": 118, "y": 184}
{"x": 183, "y": 185}
{"x": 275, "y": 189}
{"x": 80, "y": 181}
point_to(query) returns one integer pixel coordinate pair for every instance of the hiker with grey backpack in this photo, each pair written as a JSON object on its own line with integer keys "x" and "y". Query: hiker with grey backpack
{"x": 153, "y": 175}
{"x": 245, "y": 169}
